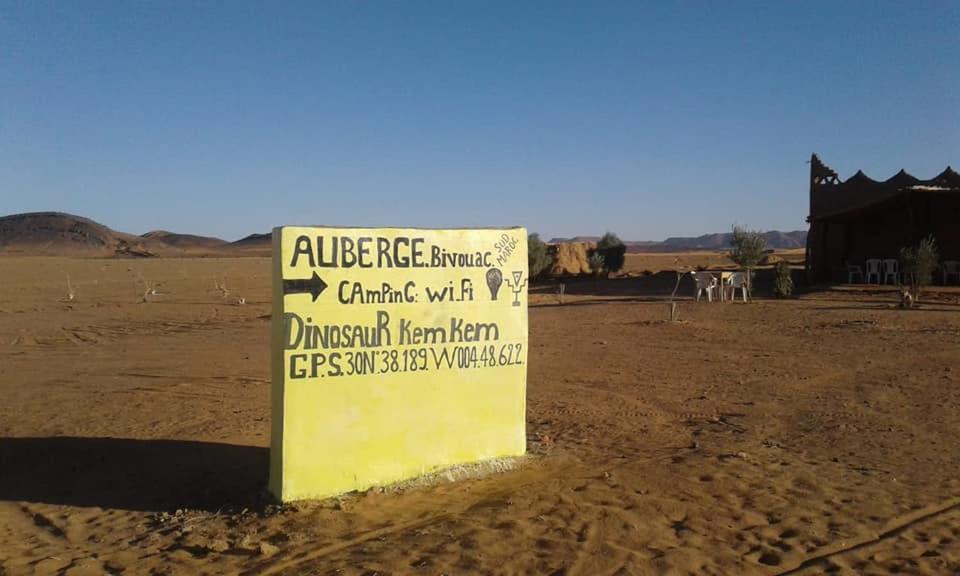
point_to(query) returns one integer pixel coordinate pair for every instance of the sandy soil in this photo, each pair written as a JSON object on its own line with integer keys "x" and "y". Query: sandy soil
{"x": 811, "y": 436}
{"x": 647, "y": 262}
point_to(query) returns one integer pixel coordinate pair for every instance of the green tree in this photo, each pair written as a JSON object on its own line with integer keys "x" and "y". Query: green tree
{"x": 918, "y": 265}
{"x": 596, "y": 262}
{"x": 747, "y": 249}
{"x": 613, "y": 251}
{"x": 539, "y": 259}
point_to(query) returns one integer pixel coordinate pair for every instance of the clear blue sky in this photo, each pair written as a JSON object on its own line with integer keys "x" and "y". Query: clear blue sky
{"x": 646, "y": 118}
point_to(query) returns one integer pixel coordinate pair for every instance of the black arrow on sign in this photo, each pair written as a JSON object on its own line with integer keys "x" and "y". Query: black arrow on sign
{"x": 313, "y": 286}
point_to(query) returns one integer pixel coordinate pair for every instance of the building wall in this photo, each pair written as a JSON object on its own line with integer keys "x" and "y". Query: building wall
{"x": 880, "y": 231}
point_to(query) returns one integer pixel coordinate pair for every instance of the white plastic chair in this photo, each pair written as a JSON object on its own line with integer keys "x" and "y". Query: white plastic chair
{"x": 950, "y": 268}
{"x": 873, "y": 270}
{"x": 891, "y": 268}
{"x": 854, "y": 271}
{"x": 737, "y": 280}
{"x": 706, "y": 282}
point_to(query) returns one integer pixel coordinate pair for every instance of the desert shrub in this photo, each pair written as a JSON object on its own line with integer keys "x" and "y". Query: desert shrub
{"x": 613, "y": 251}
{"x": 539, "y": 258}
{"x": 918, "y": 264}
{"x": 71, "y": 295}
{"x": 782, "y": 280}
{"x": 596, "y": 262}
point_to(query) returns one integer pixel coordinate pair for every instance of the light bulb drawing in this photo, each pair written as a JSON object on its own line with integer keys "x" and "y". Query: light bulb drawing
{"x": 494, "y": 281}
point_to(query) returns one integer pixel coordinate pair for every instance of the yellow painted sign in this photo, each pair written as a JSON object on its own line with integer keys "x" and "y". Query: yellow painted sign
{"x": 395, "y": 352}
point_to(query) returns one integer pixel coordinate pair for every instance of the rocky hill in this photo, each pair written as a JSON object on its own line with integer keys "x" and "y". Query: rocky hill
{"x": 187, "y": 241}
{"x": 775, "y": 239}
{"x": 254, "y": 245}
{"x": 59, "y": 234}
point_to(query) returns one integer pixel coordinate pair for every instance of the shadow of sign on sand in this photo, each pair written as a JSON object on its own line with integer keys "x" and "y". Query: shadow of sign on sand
{"x": 147, "y": 475}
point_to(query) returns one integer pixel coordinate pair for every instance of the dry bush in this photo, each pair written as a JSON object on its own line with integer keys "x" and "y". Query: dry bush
{"x": 71, "y": 293}
{"x": 680, "y": 269}
{"x": 221, "y": 287}
{"x": 148, "y": 288}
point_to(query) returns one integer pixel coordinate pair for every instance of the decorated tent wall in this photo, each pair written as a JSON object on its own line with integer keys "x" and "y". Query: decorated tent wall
{"x": 861, "y": 218}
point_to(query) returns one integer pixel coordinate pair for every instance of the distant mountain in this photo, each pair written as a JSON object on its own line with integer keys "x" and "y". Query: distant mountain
{"x": 721, "y": 241}
{"x": 59, "y": 234}
{"x": 254, "y": 245}
{"x": 184, "y": 240}
{"x": 595, "y": 239}
{"x": 718, "y": 241}
{"x": 574, "y": 239}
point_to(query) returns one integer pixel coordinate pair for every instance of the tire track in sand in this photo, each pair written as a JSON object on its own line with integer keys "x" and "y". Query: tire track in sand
{"x": 894, "y": 528}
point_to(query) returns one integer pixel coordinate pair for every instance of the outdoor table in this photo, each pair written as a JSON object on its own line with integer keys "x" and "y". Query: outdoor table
{"x": 724, "y": 275}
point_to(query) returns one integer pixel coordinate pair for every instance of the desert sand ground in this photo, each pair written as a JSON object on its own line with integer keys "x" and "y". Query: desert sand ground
{"x": 647, "y": 262}
{"x": 817, "y": 435}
